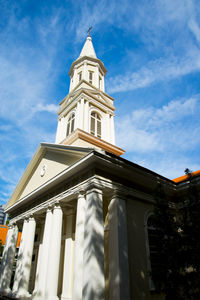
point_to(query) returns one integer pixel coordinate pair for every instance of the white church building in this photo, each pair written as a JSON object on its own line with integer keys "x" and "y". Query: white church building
{"x": 83, "y": 210}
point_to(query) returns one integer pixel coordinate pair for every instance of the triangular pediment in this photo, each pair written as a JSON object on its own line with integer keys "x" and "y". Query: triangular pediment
{"x": 85, "y": 87}
{"x": 101, "y": 97}
{"x": 83, "y": 84}
{"x": 49, "y": 161}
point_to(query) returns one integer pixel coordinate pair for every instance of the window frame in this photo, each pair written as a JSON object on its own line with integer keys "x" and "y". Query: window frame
{"x": 148, "y": 215}
{"x": 97, "y": 118}
{"x": 100, "y": 82}
{"x": 80, "y": 76}
{"x": 91, "y": 79}
{"x": 70, "y": 123}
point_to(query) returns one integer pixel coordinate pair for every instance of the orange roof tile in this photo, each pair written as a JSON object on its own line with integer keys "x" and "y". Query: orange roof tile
{"x": 19, "y": 239}
{"x": 3, "y": 234}
{"x": 185, "y": 177}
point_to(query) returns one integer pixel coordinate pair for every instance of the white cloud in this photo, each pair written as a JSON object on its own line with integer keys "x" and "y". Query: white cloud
{"x": 170, "y": 113}
{"x": 162, "y": 138}
{"x": 166, "y": 164}
{"x": 46, "y": 108}
{"x": 194, "y": 27}
{"x": 155, "y": 71}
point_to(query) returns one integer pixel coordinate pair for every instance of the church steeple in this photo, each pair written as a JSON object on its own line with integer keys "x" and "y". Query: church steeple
{"x": 88, "y": 48}
{"x": 87, "y": 67}
{"x": 86, "y": 114}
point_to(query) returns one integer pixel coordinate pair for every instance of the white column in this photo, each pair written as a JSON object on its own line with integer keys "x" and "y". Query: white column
{"x": 61, "y": 130}
{"x": 97, "y": 76}
{"x": 112, "y": 128}
{"x": 8, "y": 258}
{"x": 86, "y": 116}
{"x": 54, "y": 255}
{"x": 39, "y": 262}
{"x": 118, "y": 250}
{"x": 39, "y": 291}
{"x": 27, "y": 259}
{"x": 75, "y": 80}
{"x": 79, "y": 244}
{"x": 85, "y": 71}
{"x": 58, "y": 132}
{"x": 93, "y": 270}
{"x": 19, "y": 270}
{"x": 106, "y": 128}
{"x": 103, "y": 84}
{"x": 77, "y": 117}
{"x": 68, "y": 260}
{"x": 81, "y": 116}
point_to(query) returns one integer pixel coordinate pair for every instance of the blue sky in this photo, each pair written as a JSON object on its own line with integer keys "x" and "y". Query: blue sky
{"x": 151, "y": 50}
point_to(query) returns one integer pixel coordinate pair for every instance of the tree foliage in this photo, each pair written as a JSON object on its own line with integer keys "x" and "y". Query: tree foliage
{"x": 177, "y": 225}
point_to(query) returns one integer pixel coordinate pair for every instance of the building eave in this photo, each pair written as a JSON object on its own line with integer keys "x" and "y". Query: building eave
{"x": 106, "y": 161}
{"x": 82, "y": 58}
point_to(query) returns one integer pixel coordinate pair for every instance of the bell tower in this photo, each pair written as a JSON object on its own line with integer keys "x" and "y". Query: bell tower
{"x": 86, "y": 114}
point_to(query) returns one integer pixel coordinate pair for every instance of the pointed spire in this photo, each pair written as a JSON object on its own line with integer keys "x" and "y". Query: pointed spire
{"x": 88, "y": 49}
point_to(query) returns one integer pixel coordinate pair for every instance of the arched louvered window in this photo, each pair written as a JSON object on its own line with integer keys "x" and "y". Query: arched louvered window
{"x": 70, "y": 124}
{"x": 95, "y": 124}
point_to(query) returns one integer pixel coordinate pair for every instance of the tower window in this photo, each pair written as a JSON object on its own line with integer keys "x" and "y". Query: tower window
{"x": 70, "y": 124}
{"x": 95, "y": 124}
{"x": 80, "y": 76}
{"x": 90, "y": 77}
{"x": 100, "y": 80}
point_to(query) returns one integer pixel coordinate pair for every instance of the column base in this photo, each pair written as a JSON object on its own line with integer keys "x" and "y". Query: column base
{"x": 65, "y": 298}
{"x": 37, "y": 296}
{"x": 22, "y": 295}
{"x": 5, "y": 291}
{"x": 53, "y": 298}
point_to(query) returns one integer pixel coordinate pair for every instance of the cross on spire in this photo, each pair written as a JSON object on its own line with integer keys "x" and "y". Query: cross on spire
{"x": 89, "y": 29}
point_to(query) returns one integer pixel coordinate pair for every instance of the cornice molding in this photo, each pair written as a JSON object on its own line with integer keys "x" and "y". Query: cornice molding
{"x": 97, "y": 183}
{"x": 67, "y": 105}
{"x": 83, "y": 135}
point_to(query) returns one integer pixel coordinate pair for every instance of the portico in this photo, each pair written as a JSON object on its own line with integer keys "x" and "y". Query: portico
{"x": 71, "y": 245}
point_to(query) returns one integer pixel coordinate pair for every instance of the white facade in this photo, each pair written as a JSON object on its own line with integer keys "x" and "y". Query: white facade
{"x": 63, "y": 250}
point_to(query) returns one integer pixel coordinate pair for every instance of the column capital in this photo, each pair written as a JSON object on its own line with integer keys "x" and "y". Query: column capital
{"x": 118, "y": 193}
{"x": 94, "y": 189}
{"x": 31, "y": 217}
{"x": 10, "y": 226}
{"x": 25, "y": 219}
{"x": 49, "y": 207}
{"x": 57, "y": 205}
{"x": 81, "y": 193}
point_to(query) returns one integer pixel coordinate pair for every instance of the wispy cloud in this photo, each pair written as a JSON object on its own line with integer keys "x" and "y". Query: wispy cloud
{"x": 162, "y": 134}
{"x": 155, "y": 71}
{"x": 156, "y": 129}
{"x": 28, "y": 73}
